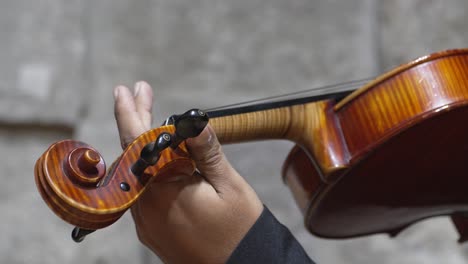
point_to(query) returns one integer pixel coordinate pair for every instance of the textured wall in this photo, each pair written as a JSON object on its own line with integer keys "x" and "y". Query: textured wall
{"x": 59, "y": 61}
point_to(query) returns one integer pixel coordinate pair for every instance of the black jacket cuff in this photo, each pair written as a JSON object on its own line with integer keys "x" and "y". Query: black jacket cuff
{"x": 268, "y": 241}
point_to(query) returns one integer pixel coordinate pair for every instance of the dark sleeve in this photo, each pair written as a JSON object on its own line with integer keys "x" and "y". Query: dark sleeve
{"x": 268, "y": 241}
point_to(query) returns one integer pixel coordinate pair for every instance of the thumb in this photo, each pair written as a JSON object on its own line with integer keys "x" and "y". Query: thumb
{"x": 207, "y": 153}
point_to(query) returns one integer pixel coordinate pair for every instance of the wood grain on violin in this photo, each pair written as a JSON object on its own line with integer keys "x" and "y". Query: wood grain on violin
{"x": 407, "y": 137}
{"x": 311, "y": 125}
{"x": 396, "y": 147}
{"x": 94, "y": 199}
{"x": 390, "y": 154}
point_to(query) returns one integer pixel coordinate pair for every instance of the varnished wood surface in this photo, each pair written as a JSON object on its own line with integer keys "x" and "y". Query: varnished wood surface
{"x": 416, "y": 174}
{"x": 302, "y": 177}
{"x": 99, "y": 206}
{"x": 404, "y": 96}
{"x": 312, "y": 125}
{"x": 406, "y": 137}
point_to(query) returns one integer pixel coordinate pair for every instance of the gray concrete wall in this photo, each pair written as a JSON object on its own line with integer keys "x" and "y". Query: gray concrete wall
{"x": 59, "y": 61}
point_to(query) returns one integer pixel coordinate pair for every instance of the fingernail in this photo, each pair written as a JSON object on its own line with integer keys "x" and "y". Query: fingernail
{"x": 207, "y": 135}
{"x": 116, "y": 92}
{"x": 138, "y": 86}
{"x": 210, "y": 138}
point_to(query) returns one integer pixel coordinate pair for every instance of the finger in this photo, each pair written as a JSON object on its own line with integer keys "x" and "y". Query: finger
{"x": 191, "y": 193}
{"x": 144, "y": 101}
{"x": 128, "y": 122}
{"x": 207, "y": 153}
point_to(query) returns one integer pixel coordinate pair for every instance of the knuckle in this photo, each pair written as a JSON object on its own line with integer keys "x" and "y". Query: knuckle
{"x": 126, "y": 140}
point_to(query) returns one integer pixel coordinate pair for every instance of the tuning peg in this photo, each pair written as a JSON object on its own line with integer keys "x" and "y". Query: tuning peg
{"x": 187, "y": 125}
{"x": 150, "y": 154}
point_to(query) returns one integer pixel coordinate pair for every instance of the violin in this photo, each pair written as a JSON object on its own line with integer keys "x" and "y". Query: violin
{"x": 373, "y": 160}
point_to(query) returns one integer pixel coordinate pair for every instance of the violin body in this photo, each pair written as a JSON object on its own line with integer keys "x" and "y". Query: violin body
{"x": 405, "y": 153}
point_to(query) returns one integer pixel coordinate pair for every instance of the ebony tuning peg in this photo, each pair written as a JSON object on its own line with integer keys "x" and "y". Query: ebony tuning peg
{"x": 187, "y": 125}
{"x": 150, "y": 154}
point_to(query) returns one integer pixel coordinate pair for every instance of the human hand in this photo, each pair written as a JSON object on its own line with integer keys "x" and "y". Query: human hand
{"x": 200, "y": 218}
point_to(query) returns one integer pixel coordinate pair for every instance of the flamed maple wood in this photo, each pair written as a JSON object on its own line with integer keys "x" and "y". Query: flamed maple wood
{"x": 390, "y": 154}
{"x": 97, "y": 205}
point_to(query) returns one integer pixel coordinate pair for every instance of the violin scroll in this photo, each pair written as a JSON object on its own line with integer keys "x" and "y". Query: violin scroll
{"x": 71, "y": 175}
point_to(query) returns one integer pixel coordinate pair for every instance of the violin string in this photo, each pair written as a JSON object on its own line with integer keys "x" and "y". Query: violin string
{"x": 336, "y": 88}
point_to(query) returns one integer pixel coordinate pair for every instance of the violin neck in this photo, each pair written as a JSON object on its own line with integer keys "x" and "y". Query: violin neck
{"x": 279, "y": 123}
{"x": 253, "y": 126}
{"x": 314, "y": 126}
{"x": 271, "y": 120}
{"x": 297, "y": 123}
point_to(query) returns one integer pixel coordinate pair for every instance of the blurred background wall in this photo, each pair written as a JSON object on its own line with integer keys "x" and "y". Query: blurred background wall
{"x": 59, "y": 61}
